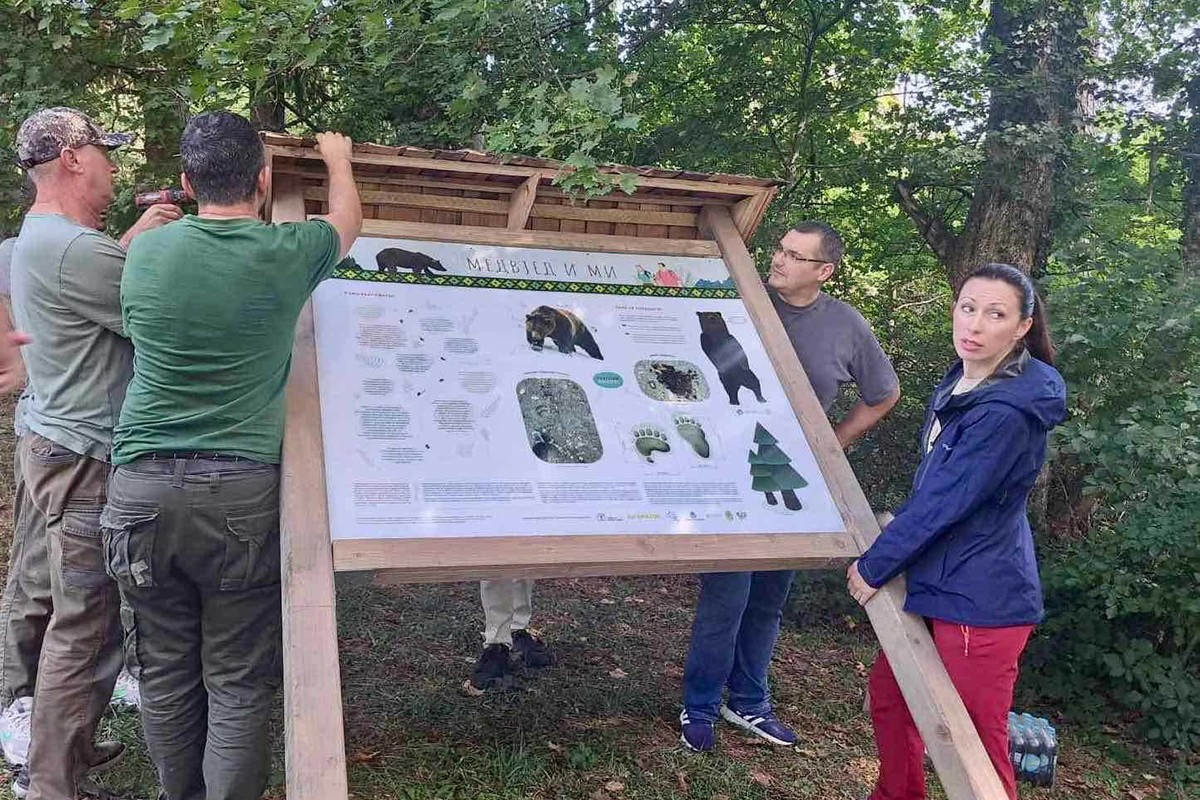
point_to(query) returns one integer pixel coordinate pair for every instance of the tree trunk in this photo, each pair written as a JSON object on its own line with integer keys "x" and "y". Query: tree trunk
{"x": 266, "y": 106}
{"x": 1191, "y": 189}
{"x": 163, "y": 117}
{"x": 1036, "y": 57}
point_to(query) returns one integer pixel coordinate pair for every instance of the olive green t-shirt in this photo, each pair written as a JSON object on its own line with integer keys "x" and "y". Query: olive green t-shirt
{"x": 211, "y": 307}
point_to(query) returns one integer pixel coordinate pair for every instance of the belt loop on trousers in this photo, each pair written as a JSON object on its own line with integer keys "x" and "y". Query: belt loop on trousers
{"x": 177, "y": 480}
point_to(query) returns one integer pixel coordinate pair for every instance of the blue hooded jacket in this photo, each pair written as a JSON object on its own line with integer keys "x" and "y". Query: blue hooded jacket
{"x": 963, "y": 535}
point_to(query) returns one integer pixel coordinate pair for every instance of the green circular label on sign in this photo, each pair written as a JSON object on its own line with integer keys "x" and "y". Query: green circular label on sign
{"x": 608, "y": 380}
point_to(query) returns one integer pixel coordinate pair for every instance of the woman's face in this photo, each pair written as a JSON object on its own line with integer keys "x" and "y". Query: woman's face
{"x": 987, "y": 321}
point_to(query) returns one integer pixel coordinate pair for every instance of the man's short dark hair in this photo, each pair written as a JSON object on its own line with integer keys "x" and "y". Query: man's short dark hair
{"x": 832, "y": 246}
{"x": 222, "y": 156}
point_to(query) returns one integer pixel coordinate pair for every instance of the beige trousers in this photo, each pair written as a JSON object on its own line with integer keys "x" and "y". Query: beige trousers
{"x": 507, "y": 607}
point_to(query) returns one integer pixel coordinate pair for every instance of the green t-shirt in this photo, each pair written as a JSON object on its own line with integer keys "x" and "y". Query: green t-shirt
{"x": 66, "y": 295}
{"x": 211, "y": 307}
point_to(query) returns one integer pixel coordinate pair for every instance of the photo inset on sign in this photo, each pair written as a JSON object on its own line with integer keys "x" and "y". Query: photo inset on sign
{"x": 564, "y": 328}
{"x": 671, "y": 380}
{"x": 558, "y": 421}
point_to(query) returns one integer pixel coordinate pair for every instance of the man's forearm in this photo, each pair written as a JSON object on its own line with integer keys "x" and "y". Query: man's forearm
{"x": 862, "y": 418}
{"x": 345, "y": 209}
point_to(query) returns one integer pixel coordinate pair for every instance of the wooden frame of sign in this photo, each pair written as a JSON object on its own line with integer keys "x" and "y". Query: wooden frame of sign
{"x": 466, "y": 196}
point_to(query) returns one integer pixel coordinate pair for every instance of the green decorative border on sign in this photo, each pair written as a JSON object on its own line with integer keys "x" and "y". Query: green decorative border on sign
{"x": 472, "y": 282}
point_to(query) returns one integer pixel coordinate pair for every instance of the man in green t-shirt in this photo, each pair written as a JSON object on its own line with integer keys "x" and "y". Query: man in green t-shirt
{"x": 191, "y": 528}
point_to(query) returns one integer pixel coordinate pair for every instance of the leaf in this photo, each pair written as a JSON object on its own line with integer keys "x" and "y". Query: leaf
{"x": 618, "y": 673}
{"x": 614, "y": 787}
{"x": 157, "y": 38}
{"x": 762, "y": 778}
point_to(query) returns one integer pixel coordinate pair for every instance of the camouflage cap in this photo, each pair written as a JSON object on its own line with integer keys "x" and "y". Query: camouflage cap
{"x": 46, "y": 133}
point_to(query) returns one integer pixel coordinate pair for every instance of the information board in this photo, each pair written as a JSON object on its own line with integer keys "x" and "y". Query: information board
{"x": 480, "y": 390}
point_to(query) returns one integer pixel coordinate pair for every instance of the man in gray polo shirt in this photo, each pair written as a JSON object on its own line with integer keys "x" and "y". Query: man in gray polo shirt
{"x": 25, "y": 603}
{"x": 66, "y": 278}
{"x": 738, "y": 613}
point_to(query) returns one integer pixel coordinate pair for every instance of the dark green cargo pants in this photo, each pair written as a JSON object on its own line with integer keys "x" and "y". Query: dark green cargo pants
{"x": 194, "y": 545}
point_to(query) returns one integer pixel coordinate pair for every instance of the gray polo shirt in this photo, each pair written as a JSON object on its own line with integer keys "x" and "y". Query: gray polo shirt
{"x": 66, "y": 293}
{"x": 836, "y": 345}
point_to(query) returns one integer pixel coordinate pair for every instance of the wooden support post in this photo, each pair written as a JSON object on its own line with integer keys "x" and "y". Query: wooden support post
{"x": 962, "y": 763}
{"x": 521, "y": 203}
{"x": 312, "y": 698}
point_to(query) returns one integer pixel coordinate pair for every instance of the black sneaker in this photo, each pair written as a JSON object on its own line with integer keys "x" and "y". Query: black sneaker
{"x": 532, "y": 651}
{"x": 490, "y": 668}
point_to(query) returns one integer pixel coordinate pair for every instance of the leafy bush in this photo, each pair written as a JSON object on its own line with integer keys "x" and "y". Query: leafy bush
{"x": 1121, "y": 573}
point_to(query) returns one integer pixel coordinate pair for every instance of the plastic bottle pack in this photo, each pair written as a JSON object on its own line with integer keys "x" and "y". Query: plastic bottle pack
{"x": 1033, "y": 748}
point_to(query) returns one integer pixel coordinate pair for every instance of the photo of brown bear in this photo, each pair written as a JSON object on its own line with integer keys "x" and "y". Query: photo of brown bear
{"x": 561, "y": 326}
{"x": 727, "y": 355}
{"x": 393, "y": 259}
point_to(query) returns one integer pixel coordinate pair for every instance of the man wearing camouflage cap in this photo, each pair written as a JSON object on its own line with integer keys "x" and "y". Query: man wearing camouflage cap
{"x": 66, "y": 277}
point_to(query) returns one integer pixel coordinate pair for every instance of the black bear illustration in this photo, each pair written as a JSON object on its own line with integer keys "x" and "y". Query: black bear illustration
{"x": 727, "y": 355}
{"x": 393, "y": 259}
{"x": 564, "y": 328}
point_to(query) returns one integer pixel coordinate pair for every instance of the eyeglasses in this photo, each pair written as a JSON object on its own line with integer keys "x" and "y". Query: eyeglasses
{"x": 792, "y": 256}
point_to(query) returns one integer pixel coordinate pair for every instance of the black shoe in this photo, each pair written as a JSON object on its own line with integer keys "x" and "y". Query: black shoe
{"x": 490, "y": 668}
{"x": 532, "y": 651}
{"x": 107, "y": 754}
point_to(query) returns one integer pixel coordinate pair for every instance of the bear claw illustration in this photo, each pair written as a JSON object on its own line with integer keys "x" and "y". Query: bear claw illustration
{"x": 650, "y": 440}
{"x": 693, "y": 433}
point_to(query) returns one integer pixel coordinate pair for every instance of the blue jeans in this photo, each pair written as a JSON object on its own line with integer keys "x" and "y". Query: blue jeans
{"x": 737, "y": 623}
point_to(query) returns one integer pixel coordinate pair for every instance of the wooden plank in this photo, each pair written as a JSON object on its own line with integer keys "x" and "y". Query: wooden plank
{"x": 439, "y": 165}
{"x": 691, "y": 201}
{"x": 382, "y": 179}
{"x": 633, "y": 216}
{"x": 521, "y": 202}
{"x": 314, "y": 733}
{"x": 748, "y": 213}
{"x": 481, "y": 557}
{"x": 471, "y": 217}
{"x": 433, "y": 198}
{"x": 421, "y": 200}
{"x": 962, "y": 764}
{"x": 548, "y": 240}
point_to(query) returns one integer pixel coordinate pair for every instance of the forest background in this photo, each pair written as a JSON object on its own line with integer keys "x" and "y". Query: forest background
{"x": 935, "y": 134}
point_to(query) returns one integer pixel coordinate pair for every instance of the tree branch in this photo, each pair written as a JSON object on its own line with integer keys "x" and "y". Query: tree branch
{"x": 932, "y": 228}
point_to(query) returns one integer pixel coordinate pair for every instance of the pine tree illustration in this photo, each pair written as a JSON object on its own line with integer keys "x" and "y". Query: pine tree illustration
{"x": 772, "y": 470}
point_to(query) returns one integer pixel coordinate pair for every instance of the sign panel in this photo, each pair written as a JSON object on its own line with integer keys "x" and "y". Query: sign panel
{"x": 479, "y": 390}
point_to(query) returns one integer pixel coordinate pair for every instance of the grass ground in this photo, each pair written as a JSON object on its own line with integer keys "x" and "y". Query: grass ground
{"x": 600, "y": 724}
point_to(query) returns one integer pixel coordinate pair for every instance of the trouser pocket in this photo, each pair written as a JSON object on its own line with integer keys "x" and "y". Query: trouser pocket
{"x": 251, "y": 548}
{"x": 82, "y": 552}
{"x": 129, "y": 533}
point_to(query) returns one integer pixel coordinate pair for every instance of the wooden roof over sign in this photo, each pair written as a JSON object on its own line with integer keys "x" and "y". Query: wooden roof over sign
{"x": 478, "y": 190}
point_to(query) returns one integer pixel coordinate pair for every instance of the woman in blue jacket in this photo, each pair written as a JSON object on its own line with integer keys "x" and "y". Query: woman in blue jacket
{"x": 962, "y": 539}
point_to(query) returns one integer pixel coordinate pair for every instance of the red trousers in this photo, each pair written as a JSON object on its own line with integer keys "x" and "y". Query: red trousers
{"x": 982, "y": 663}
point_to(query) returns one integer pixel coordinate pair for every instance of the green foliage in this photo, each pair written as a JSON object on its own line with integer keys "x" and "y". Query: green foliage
{"x": 568, "y": 122}
{"x": 1123, "y": 619}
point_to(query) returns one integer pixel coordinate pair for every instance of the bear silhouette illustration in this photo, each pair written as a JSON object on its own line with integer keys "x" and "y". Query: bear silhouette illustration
{"x": 727, "y": 355}
{"x": 564, "y": 328}
{"x": 393, "y": 259}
